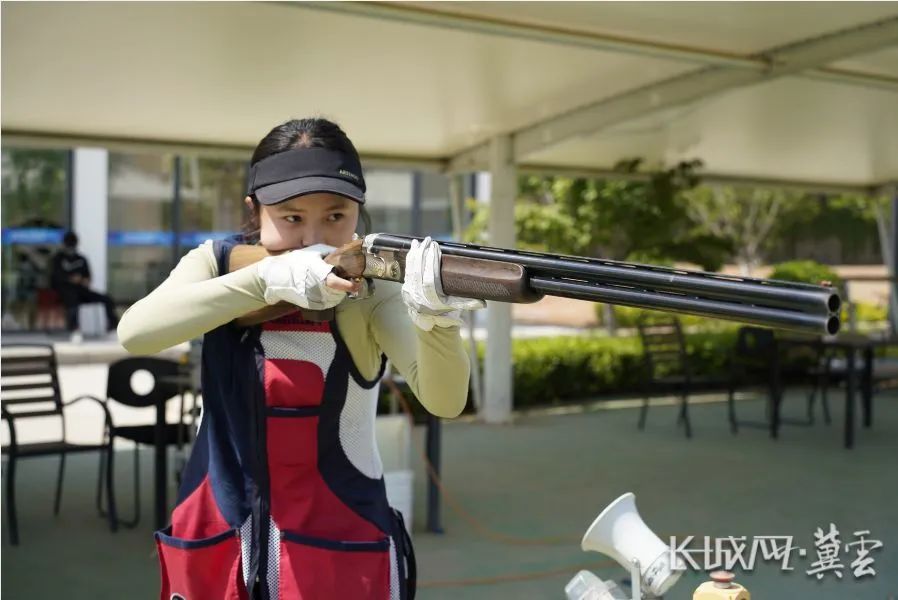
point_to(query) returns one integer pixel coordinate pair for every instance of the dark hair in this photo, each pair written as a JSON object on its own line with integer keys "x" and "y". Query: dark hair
{"x": 300, "y": 133}
{"x": 70, "y": 239}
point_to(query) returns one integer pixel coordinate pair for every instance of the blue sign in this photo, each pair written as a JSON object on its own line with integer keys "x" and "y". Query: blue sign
{"x": 192, "y": 239}
{"x": 187, "y": 239}
{"x": 32, "y": 236}
{"x": 140, "y": 238}
{"x": 47, "y": 236}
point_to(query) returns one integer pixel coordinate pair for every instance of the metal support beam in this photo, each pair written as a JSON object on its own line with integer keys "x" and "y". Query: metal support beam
{"x": 498, "y": 389}
{"x": 591, "y": 40}
{"x": 471, "y": 160}
{"x": 457, "y": 199}
{"x": 417, "y": 215}
{"x": 702, "y": 83}
{"x": 457, "y": 205}
{"x": 669, "y": 93}
{"x": 90, "y": 203}
{"x": 867, "y": 80}
{"x": 176, "y": 210}
{"x": 689, "y": 87}
{"x": 433, "y": 444}
{"x": 70, "y": 188}
{"x": 711, "y": 178}
{"x": 41, "y": 139}
{"x": 893, "y": 265}
{"x": 889, "y": 248}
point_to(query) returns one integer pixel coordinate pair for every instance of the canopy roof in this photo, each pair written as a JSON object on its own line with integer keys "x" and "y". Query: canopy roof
{"x": 800, "y": 91}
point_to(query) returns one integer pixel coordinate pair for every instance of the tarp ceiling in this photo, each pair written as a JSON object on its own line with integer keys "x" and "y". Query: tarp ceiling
{"x": 801, "y": 91}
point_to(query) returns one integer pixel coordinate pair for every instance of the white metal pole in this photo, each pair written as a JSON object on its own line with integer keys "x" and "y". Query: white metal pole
{"x": 457, "y": 198}
{"x": 90, "y": 200}
{"x": 886, "y": 244}
{"x": 497, "y": 402}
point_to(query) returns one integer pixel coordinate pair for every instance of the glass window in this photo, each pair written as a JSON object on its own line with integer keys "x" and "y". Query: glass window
{"x": 436, "y": 206}
{"x": 388, "y": 200}
{"x": 212, "y": 193}
{"x": 141, "y": 238}
{"x": 34, "y": 217}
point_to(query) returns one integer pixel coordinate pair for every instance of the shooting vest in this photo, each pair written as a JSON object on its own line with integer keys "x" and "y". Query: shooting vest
{"x": 283, "y": 496}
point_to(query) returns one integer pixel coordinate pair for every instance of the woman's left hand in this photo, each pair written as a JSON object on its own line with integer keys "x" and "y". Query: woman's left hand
{"x": 422, "y": 290}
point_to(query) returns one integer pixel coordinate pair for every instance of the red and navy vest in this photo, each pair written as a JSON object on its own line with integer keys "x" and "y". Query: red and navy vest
{"x": 283, "y": 496}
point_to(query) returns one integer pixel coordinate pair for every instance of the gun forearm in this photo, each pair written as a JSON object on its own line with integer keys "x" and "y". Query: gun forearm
{"x": 460, "y": 276}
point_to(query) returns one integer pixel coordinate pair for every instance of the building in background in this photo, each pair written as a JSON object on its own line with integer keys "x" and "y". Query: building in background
{"x": 138, "y": 213}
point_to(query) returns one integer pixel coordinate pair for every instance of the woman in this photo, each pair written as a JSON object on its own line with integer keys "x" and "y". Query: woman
{"x": 283, "y": 495}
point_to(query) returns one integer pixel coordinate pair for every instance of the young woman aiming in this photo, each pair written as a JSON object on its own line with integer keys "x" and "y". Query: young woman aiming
{"x": 283, "y": 496}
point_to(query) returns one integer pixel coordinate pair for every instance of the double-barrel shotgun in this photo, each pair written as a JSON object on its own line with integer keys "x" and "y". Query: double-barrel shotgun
{"x": 503, "y": 275}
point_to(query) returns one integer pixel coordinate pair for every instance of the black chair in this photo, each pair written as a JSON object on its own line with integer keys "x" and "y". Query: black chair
{"x": 758, "y": 360}
{"x": 833, "y": 372}
{"x": 169, "y": 380}
{"x": 30, "y": 389}
{"x": 666, "y": 365}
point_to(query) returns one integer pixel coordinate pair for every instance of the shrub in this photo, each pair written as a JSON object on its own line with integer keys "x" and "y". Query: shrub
{"x": 562, "y": 369}
{"x": 557, "y": 369}
{"x": 628, "y": 317}
{"x": 805, "y": 271}
{"x": 871, "y": 313}
{"x": 808, "y": 271}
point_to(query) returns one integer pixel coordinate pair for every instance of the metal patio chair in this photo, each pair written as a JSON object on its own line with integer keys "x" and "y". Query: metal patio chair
{"x": 30, "y": 390}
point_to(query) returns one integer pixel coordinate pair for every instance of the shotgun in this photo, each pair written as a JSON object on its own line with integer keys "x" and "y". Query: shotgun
{"x": 503, "y": 275}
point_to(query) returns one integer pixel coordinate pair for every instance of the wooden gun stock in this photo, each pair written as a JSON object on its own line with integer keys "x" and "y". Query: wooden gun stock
{"x": 460, "y": 276}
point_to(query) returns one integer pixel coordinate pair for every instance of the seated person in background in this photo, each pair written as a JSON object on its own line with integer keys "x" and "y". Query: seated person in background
{"x": 70, "y": 277}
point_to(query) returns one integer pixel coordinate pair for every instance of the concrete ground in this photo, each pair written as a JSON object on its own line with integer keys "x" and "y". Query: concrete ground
{"x": 544, "y": 479}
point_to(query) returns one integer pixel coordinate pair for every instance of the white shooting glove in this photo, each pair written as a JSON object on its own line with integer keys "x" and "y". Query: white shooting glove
{"x": 298, "y": 277}
{"x": 422, "y": 290}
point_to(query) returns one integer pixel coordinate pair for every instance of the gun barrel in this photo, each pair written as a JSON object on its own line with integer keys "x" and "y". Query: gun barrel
{"x": 800, "y": 297}
{"x": 765, "y": 302}
{"x": 734, "y": 311}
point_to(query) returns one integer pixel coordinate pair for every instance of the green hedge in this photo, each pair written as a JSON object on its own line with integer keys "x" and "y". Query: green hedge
{"x": 808, "y": 271}
{"x": 805, "y": 271}
{"x": 562, "y": 369}
{"x": 869, "y": 313}
{"x": 558, "y": 369}
{"x": 628, "y": 317}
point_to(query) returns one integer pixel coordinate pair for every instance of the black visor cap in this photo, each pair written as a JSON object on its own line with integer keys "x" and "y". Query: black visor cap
{"x": 304, "y": 171}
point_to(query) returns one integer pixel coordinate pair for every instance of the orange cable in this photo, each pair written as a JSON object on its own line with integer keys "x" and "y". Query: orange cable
{"x": 486, "y": 531}
{"x": 457, "y": 506}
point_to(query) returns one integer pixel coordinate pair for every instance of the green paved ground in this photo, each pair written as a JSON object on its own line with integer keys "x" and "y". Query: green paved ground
{"x": 547, "y": 477}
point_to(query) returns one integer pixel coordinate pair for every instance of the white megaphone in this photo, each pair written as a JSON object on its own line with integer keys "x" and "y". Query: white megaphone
{"x": 619, "y": 532}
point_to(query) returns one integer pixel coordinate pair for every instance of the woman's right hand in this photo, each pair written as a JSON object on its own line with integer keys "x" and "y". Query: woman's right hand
{"x": 303, "y": 278}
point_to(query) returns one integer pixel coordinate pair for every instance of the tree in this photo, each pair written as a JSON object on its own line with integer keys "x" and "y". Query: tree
{"x": 622, "y": 218}
{"x": 34, "y": 187}
{"x": 745, "y": 217}
{"x": 852, "y": 219}
{"x": 625, "y": 218}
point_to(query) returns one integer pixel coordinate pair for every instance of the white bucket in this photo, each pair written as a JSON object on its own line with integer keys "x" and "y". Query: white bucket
{"x": 92, "y": 320}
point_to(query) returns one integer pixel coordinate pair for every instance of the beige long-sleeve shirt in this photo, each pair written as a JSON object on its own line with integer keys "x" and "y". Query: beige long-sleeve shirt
{"x": 195, "y": 299}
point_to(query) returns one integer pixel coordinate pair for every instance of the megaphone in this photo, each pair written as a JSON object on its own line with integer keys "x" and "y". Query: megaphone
{"x": 619, "y": 532}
